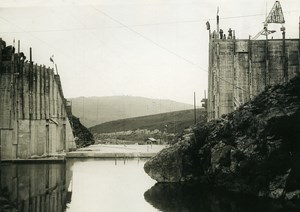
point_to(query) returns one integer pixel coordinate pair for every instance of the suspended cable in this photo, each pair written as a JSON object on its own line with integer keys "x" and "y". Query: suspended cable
{"x": 164, "y": 48}
{"x": 137, "y": 25}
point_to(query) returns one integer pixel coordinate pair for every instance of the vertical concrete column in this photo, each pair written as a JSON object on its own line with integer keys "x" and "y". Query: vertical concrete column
{"x": 38, "y": 93}
{"x": 218, "y": 81}
{"x": 47, "y": 93}
{"x": 64, "y": 135}
{"x": 58, "y": 101}
{"x": 17, "y": 99}
{"x": 42, "y": 89}
{"x": 33, "y": 92}
{"x": 209, "y": 102}
{"x": 284, "y": 66}
{"x": 47, "y": 148}
{"x": 14, "y": 87}
{"x": 50, "y": 93}
{"x": 55, "y": 98}
{"x": 31, "y": 107}
{"x": 250, "y": 68}
{"x": 267, "y": 74}
{"x": 214, "y": 78}
{"x": 235, "y": 82}
{"x": 53, "y": 94}
{"x": 22, "y": 93}
{"x": 26, "y": 92}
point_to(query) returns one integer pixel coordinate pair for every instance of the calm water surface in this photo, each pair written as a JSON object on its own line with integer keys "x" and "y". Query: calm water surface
{"x": 109, "y": 185}
{"x": 113, "y": 186}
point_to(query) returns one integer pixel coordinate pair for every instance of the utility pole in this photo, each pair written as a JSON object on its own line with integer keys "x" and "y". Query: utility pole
{"x": 0, "y": 147}
{"x": 299, "y": 47}
{"x": 195, "y": 113}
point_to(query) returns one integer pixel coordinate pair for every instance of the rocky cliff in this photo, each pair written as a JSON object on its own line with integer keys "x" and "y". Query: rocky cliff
{"x": 83, "y": 137}
{"x": 254, "y": 150}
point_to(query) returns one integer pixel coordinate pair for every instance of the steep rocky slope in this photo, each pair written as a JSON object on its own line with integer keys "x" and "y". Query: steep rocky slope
{"x": 254, "y": 150}
{"x": 83, "y": 137}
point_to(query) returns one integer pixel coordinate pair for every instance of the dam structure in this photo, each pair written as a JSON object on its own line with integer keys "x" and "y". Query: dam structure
{"x": 240, "y": 69}
{"x": 33, "y": 116}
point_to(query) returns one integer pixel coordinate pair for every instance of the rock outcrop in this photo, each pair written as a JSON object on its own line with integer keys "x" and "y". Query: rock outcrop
{"x": 83, "y": 137}
{"x": 254, "y": 150}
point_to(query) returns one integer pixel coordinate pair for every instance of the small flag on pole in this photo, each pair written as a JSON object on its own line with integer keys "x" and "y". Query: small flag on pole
{"x": 51, "y": 59}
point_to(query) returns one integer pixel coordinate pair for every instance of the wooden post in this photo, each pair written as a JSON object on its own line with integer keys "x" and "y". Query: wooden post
{"x": 299, "y": 48}
{"x": 0, "y": 150}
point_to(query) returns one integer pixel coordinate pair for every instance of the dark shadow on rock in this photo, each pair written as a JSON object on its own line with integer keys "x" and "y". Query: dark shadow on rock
{"x": 173, "y": 197}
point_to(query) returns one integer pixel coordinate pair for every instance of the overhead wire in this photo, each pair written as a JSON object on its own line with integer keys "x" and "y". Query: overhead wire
{"x": 66, "y": 56}
{"x": 129, "y": 27}
{"x": 23, "y": 30}
{"x": 139, "y": 25}
{"x": 166, "y": 49}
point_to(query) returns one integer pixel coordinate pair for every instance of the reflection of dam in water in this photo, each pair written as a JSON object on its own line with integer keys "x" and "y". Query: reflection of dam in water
{"x": 36, "y": 187}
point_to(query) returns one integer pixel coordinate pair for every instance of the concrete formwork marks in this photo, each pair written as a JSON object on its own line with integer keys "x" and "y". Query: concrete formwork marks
{"x": 33, "y": 121}
{"x": 241, "y": 69}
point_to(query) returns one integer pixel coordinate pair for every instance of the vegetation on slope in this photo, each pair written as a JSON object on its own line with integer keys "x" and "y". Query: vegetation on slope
{"x": 174, "y": 121}
{"x": 97, "y": 110}
{"x": 162, "y": 127}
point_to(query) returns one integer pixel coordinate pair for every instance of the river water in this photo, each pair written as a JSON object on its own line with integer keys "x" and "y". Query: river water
{"x": 113, "y": 186}
{"x": 109, "y": 185}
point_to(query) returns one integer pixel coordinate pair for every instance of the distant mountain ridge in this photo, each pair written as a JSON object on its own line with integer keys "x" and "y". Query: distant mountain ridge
{"x": 96, "y": 110}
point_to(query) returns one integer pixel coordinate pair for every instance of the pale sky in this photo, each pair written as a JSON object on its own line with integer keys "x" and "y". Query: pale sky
{"x": 148, "y": 48}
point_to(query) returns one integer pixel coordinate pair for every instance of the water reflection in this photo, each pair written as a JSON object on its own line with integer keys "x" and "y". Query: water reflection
{"x": 113, "y": 185}
{"x": 77, "y": 185}
{"x": 109, "y": 185}
{"x": 176, "y": 197}
{"x": 33, "y": 187}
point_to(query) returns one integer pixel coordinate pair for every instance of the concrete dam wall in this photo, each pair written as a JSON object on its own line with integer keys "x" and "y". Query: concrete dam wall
{"x": 241, "y": 69}
{"x": 33, "y": 118}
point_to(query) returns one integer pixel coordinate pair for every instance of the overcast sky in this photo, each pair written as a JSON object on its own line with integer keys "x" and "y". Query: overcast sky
{"x": 149, "y": 48}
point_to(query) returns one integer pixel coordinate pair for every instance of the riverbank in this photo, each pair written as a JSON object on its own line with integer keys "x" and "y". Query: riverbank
{"x": 116, "y": 151}
{"x": 254, "y": 150}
